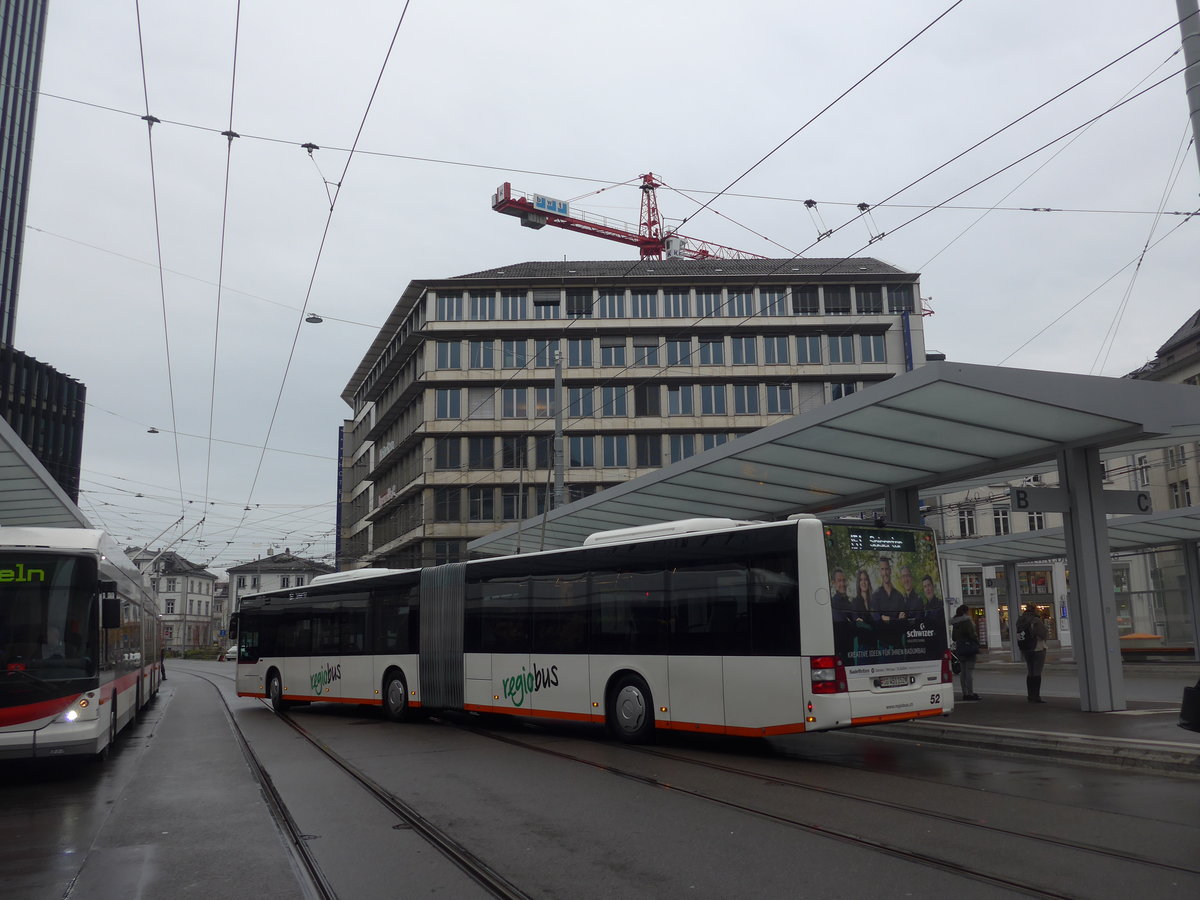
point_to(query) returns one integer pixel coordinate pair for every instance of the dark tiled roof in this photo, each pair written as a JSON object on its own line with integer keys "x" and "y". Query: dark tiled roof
{"x": 688, "y": 268}
{"x": 281, "y": 562}
{"x": 1189, "y": 331}
{"x": 169, "y": 563}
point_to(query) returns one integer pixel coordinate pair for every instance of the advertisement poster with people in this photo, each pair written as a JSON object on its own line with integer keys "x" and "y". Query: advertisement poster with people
{"x": 886, "y": 594}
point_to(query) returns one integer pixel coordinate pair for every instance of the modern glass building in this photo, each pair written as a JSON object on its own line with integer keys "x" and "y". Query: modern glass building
{"x": 22, "y": 31}
{"x": 44, "y": 406}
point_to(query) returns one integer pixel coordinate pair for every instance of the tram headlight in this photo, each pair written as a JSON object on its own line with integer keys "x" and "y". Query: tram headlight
{"x": 70, "y": 715}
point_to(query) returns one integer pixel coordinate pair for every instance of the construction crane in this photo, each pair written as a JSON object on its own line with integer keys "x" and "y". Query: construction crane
{"x": 538, "y": 211}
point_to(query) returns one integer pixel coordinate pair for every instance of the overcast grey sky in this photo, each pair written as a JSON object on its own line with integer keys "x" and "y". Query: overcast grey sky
{"x": 559, "y": 98}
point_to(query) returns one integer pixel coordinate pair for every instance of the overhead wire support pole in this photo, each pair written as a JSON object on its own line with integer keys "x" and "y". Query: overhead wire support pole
{"x": 1189, "y": 27}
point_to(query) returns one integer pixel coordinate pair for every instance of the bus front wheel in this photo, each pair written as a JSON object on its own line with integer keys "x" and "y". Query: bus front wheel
{"x": 631, "y": 710}
{"x": 395, "y": 697}
{"x": 275, "y": 692}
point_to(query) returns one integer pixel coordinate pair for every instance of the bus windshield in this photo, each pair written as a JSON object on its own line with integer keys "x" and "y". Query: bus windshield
{"x": 886, "y": 596}
{"x": 47, "y": 615}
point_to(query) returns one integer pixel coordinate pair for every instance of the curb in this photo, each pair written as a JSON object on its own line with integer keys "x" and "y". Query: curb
{"x": 1120, "y": 753}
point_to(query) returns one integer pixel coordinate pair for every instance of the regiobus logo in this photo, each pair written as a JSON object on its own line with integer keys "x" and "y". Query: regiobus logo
{"x": 322, "y": 678}
{"x": 518, "y": 687}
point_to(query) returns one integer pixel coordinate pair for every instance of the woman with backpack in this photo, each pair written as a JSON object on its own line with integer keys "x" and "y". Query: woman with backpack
{"x": 1031, "y": 640}
{"x": 966, "y": 646}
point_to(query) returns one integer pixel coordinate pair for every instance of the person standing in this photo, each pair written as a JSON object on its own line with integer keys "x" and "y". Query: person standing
{"x": 966, "y": 645}
{"x": 1031, "y": 640}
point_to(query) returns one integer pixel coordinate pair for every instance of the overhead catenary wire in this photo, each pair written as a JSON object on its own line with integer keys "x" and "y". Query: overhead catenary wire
{"x": 230, "y": 135}
{"x": 825, "y": 109}
{"x": 150, "y": 122}
{"x": 1110, "y": 336}
{"x": 1157, "y": 214}
{"x": 321, "y": 248}
{"x": 878, "y": 236}
{"x": 1090, "y": 294}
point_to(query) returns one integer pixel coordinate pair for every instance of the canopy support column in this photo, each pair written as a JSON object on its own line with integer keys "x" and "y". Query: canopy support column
{"x": 902, "y": 505}
{"x": 1013, "y": 598}
{"x": 1191, "y": 570}
{"x": 1092, "y": 605}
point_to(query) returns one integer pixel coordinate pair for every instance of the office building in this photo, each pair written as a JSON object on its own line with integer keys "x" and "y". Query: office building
{"x": 455, "y": 403}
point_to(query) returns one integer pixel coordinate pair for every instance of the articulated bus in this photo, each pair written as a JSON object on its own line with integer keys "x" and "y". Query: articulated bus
{"x": 78, "y": 642}
{"x": 703, "y": 625}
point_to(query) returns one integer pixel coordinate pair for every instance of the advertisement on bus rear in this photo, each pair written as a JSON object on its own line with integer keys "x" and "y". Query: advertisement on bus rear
{"x": 886, "y": 595}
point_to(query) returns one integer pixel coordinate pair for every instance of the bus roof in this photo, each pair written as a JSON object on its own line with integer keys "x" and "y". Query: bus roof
{"x": 55, "y": 538}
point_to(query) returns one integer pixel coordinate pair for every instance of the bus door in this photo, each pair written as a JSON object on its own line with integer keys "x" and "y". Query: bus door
{"x": 357, "y": 676}
{"x": 325, "y": 665}
{"x": 498, "y": 627}
{"x": 709, "y": 621}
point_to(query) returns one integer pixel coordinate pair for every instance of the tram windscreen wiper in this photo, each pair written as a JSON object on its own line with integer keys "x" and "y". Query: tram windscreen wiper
{"x": 50, "y": 686}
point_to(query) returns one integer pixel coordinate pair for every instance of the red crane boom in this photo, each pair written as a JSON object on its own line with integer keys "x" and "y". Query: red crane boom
{"x": 537, "y": 211}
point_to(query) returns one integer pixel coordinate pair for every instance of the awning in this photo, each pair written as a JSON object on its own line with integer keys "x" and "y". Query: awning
{"x": 1125, "y": 533}
{"x": 28, "y": 494}
{"x": 942, "y": 425}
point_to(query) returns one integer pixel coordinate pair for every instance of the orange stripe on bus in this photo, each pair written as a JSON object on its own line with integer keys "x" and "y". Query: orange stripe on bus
{"x": 897, "y": 717}
{"x": 735, "y": 730}
{"x": 533, "y": 713}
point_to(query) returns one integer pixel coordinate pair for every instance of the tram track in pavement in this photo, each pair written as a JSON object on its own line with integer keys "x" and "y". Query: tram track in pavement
{"x": 458, "y": 854}
{"x": 497, "y": 886}
{"x": 890, "y": 848}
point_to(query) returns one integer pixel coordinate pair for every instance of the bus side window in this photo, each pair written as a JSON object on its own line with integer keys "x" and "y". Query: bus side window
{"x": 628, "y": 612}
{"x": 774, "y": 607}
{"x": 709, "y": 610}
{"x": 391, "y": 622}
{"x": 505, "y": 609}
{"x": 560, "y": 623}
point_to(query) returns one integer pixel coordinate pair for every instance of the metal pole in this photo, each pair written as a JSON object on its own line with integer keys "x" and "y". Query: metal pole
{"x": 558, "y": 430}
{"x": 1189, "y": 27}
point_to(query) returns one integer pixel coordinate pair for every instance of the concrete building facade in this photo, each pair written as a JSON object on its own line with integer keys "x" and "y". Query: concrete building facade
{"x": 455, "y": 404}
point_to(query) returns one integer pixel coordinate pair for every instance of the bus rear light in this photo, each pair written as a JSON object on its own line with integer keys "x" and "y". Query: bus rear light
{"x": 828, "y": 675}
{"x": 947, "y": 674}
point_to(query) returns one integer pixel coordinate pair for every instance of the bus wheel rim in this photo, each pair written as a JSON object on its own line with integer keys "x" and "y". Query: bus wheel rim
{"x": 631, "y": 709}
{"x": 395, "y": 695}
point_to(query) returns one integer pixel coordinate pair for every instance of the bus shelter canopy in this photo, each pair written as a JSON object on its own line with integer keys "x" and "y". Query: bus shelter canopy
{"x": 29, "y": 495}
{"x": 1126, "y": 533}
{"x": 944, "y": 425}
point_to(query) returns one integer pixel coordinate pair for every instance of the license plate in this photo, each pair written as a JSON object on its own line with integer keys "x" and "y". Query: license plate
{"x": 894, "y": 681}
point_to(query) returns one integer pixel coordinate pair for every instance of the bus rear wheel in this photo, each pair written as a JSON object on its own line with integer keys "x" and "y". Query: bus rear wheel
{"x": 275, "y": 692}
{"x": 631, "y": 710}
{"x": 395, "y": 697}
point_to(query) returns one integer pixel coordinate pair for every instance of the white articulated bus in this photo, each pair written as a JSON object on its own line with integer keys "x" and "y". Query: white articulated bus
{"x": 78, "y": 642}
{"x": 704, "y": 625}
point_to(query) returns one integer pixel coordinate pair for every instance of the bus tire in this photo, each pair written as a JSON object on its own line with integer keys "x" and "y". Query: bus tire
{"x": 631, "y": 710}
{"x": 106, "y": 751}
{"x": 275, "y": 692}
{"x": 395, "y": 697}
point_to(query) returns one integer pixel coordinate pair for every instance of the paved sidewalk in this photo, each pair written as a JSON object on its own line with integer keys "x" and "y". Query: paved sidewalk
{"x": 1145, "y": 735}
